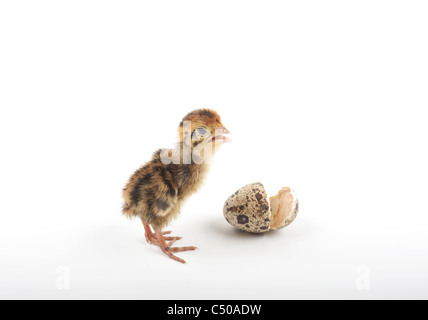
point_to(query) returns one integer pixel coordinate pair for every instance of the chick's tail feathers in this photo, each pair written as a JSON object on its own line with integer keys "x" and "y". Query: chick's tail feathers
{"x": 127, "y": 210}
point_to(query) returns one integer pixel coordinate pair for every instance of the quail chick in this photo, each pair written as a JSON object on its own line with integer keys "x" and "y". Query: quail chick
{"x": 156, "y": 191}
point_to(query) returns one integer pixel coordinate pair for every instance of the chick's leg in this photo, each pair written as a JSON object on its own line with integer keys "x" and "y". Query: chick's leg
{"x": 148, "y": 232}
{"x": 167, "y": 249}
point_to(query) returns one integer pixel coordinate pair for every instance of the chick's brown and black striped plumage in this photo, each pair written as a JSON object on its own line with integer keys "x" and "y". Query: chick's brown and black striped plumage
{"x": 156, "y": 191}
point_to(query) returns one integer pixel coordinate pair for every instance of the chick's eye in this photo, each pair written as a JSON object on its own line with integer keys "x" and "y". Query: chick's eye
{"x": 202, "y": 132}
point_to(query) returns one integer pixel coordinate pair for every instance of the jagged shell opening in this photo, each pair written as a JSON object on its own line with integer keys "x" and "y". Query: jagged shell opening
{"x": 284, "y": 208}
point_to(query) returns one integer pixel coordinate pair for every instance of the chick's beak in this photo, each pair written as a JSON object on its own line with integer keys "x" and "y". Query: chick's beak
{"x": 225, "y": 131}
{"x": 219, "y": 135}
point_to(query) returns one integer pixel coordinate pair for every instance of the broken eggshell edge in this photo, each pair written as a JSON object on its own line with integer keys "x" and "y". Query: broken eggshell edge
{"x": 289, "y": 203}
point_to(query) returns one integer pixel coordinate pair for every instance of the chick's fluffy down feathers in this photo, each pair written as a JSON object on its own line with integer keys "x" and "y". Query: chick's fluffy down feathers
{"x": 156, "y": 191}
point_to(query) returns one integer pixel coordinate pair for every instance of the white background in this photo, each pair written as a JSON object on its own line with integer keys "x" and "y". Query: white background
{"x": 328, "y": 97}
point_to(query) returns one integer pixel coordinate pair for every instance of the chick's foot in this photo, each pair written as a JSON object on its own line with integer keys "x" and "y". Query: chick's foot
{"x": 166, "y": 247}
{"x": 160, "y": 239}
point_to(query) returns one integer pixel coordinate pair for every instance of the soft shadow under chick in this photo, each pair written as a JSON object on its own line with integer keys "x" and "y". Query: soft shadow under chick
{"x": 156, "y": 191}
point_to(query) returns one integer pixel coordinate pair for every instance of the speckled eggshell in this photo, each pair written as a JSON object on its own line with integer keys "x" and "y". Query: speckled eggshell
{"x": 248, "y": 209}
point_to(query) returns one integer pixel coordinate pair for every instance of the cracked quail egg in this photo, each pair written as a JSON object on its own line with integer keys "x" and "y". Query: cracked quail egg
{"x": 249, "y": 209}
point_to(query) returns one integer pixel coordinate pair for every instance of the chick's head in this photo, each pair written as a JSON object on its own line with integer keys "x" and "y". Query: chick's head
{"x": 203, "y": 130}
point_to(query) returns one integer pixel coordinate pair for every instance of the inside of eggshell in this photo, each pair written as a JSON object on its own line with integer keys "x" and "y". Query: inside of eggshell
{"x": 281, "y": 207}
